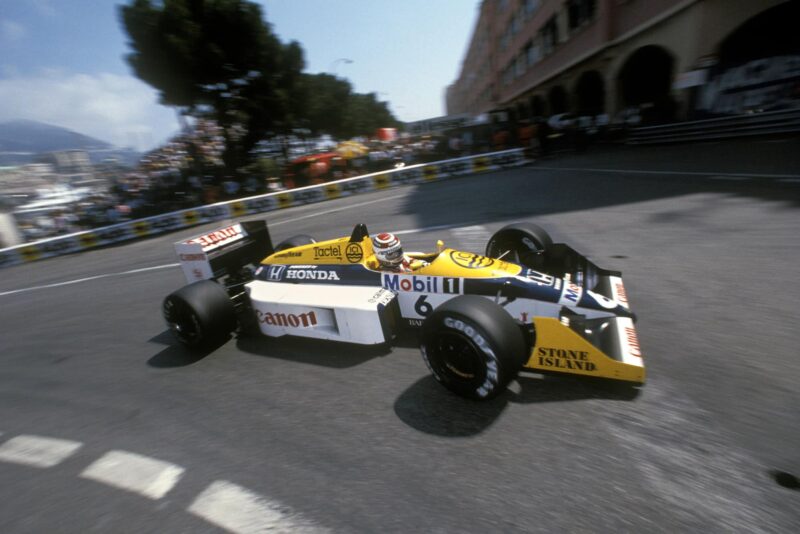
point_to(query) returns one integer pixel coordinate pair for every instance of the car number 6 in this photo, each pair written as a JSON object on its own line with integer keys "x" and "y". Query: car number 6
{"x": 422, "y": 306}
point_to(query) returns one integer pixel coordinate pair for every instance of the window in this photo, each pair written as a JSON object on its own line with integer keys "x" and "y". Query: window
{"x": 549, "y": 35}
{"x": 580, "y": 12}
{"x": 530, "y": 7}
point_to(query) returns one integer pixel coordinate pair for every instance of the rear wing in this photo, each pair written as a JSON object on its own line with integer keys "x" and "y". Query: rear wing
{"x": 221, "y": 252}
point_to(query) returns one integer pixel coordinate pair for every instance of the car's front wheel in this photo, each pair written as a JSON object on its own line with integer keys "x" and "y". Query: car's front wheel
{"x": 472, "y": 346}
{"x": 200, "y": 315}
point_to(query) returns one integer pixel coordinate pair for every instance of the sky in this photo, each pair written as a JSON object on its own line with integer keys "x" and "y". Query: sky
{"x": 63, "y": 63}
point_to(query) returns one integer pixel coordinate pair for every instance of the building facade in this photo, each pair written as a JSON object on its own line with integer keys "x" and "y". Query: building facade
{"x": 665, "y": 59}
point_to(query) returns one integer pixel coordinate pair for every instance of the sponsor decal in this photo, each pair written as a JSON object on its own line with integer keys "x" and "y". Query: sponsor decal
{"x": 30, "y": 253}
{"x": 622, "y": 296}
{"x": 414, "y": 322}
{"x": 570, "y": 295}
{"x": 57, "y": 246}
{"x": 192, "y": 257}
{"x": 470, "y": 260}
{"x": 355, "y": 186}
{"x": 453, "y": 168}
{"x": 333, "y": 191}
{"x": 113, "y": 234}
{"x": 308, "y": 196}
{"x": 602, "y": 300}
{"x": 430, "y": 172}
{"x": 310, "y": 274}
{"x": 565, "y": 359}
{"x": 257, "y": 205}
{"x": 633, "y": 342}
{"x": 381, "y": 297}
{"x": 284, "y": 200}
{"x": 288, "y": 255}
{"x": 190, "y": 217}
{"x": 480, "y": 164}
{"x": 238, "y": 209}
{"x": 331, "y": 251}
{"x": 540, "y": 278}
{"x": 381, "y": 181}
{"x": 275, "y": 272}
{"x": 300, "y": 320}
{"x": 491, "y": 361}
{"x": 214, "y": 212}
{"x": 88, "y": 240}
{"x": 354, "y": 253}
{"x": 218, "y": 237}
{"x": 141, "y": 228}
{"x": 399, "y": 282}
{"x": 421, "y": 284}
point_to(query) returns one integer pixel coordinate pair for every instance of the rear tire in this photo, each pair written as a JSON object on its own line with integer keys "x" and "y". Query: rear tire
{"x": 295, "y": 241}
{"x": 523, "y": 243}
{"x": 200, "y": 315}
{"x": 472, "y": 346}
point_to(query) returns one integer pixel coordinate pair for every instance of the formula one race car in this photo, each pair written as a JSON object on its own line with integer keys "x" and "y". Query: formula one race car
{"x": 525, "y": 304}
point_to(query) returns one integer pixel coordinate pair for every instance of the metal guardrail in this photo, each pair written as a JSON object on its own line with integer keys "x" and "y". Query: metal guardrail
{"x": 167, "y": 222}
{"x": 756, "y": 124}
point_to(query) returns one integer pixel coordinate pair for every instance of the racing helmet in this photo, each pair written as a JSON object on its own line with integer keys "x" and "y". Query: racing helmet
{"x": 388, "y": 249}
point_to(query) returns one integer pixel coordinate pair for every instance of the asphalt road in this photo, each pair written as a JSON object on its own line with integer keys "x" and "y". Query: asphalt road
{"x": 296, "y": 435}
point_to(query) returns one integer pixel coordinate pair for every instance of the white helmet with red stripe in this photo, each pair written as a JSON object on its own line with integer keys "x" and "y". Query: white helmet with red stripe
{"x": 388, "y": 249}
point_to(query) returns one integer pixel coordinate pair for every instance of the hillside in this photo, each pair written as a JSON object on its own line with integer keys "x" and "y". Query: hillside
{"x": 22, "y": 140}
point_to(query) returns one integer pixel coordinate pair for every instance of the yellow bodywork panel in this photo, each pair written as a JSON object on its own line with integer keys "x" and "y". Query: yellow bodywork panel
{"x": 560, "y": 349}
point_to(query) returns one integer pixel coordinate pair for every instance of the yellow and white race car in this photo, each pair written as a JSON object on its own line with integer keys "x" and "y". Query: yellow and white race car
{"x": 526, "y": 303}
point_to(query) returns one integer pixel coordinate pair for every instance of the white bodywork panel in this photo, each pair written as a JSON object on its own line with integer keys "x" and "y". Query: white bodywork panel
{"x": 341, "y": 313}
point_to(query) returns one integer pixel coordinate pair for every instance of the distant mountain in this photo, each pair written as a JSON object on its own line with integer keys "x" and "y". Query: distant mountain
{"x": 22, "y": 140}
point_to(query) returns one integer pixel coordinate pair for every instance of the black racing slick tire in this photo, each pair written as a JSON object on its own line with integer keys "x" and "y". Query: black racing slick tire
{"x": 200, "y": 315}
{"x": 523, "y": 243}
{"x": 295, "y": 241}
{"x": 472, "y": 346}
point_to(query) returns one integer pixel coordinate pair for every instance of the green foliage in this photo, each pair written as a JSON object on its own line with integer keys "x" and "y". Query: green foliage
{"x": 216, "y": 58}
{"x": 220, "y": 59}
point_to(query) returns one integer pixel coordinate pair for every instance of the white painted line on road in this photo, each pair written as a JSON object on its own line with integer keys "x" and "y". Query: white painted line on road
{"x": 133, "y": 472}
{"x": 37, "y": 451}
{"x": 334, "y": 210}
{"x": 88, "y": 279}
{"x": 239, "y": 510}
{"x": 678, "y": 173}
{"x": 731, "y": 178}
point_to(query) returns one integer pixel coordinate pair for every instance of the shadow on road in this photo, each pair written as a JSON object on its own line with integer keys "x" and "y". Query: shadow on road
{"x": 571, "y": 182}
{"x": 331, "y": 354}
{"x": 175, "y": 354}
{"x": 430, "y": 408}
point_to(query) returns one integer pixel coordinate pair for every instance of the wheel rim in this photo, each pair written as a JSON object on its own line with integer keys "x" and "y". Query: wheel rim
{"x": 458, "y": 358}
{"x": 183, "y": 322}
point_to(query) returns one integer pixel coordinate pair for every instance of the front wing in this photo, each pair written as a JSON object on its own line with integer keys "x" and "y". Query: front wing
{"x": 560, "y": 348}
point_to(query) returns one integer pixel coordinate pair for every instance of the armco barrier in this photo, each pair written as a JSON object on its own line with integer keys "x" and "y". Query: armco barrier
{"x": 159, "y": 224}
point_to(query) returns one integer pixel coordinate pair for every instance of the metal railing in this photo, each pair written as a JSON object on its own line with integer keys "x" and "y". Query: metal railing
{"x": 755, "y": 124}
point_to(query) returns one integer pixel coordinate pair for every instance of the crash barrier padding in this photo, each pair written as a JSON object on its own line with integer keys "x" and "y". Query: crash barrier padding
{"x": 234, "y": 209}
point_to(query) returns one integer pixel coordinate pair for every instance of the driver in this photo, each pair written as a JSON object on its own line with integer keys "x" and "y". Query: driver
{"x": 389, "y": 253}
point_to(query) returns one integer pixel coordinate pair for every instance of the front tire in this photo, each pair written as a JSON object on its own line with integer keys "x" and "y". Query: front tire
{"x": 472, "y": 346}
{"x": 200, "y": 315}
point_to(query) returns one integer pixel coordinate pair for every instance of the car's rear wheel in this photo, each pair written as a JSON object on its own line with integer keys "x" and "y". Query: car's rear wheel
{"x": 523, "y": 243}
{"x": 295, "y": 241}
{"x": 200, "y": 315}
{"x": 472, "y": 346}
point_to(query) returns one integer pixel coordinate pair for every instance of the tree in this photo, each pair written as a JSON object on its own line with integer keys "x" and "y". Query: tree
{"x": 219, "y": 59}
